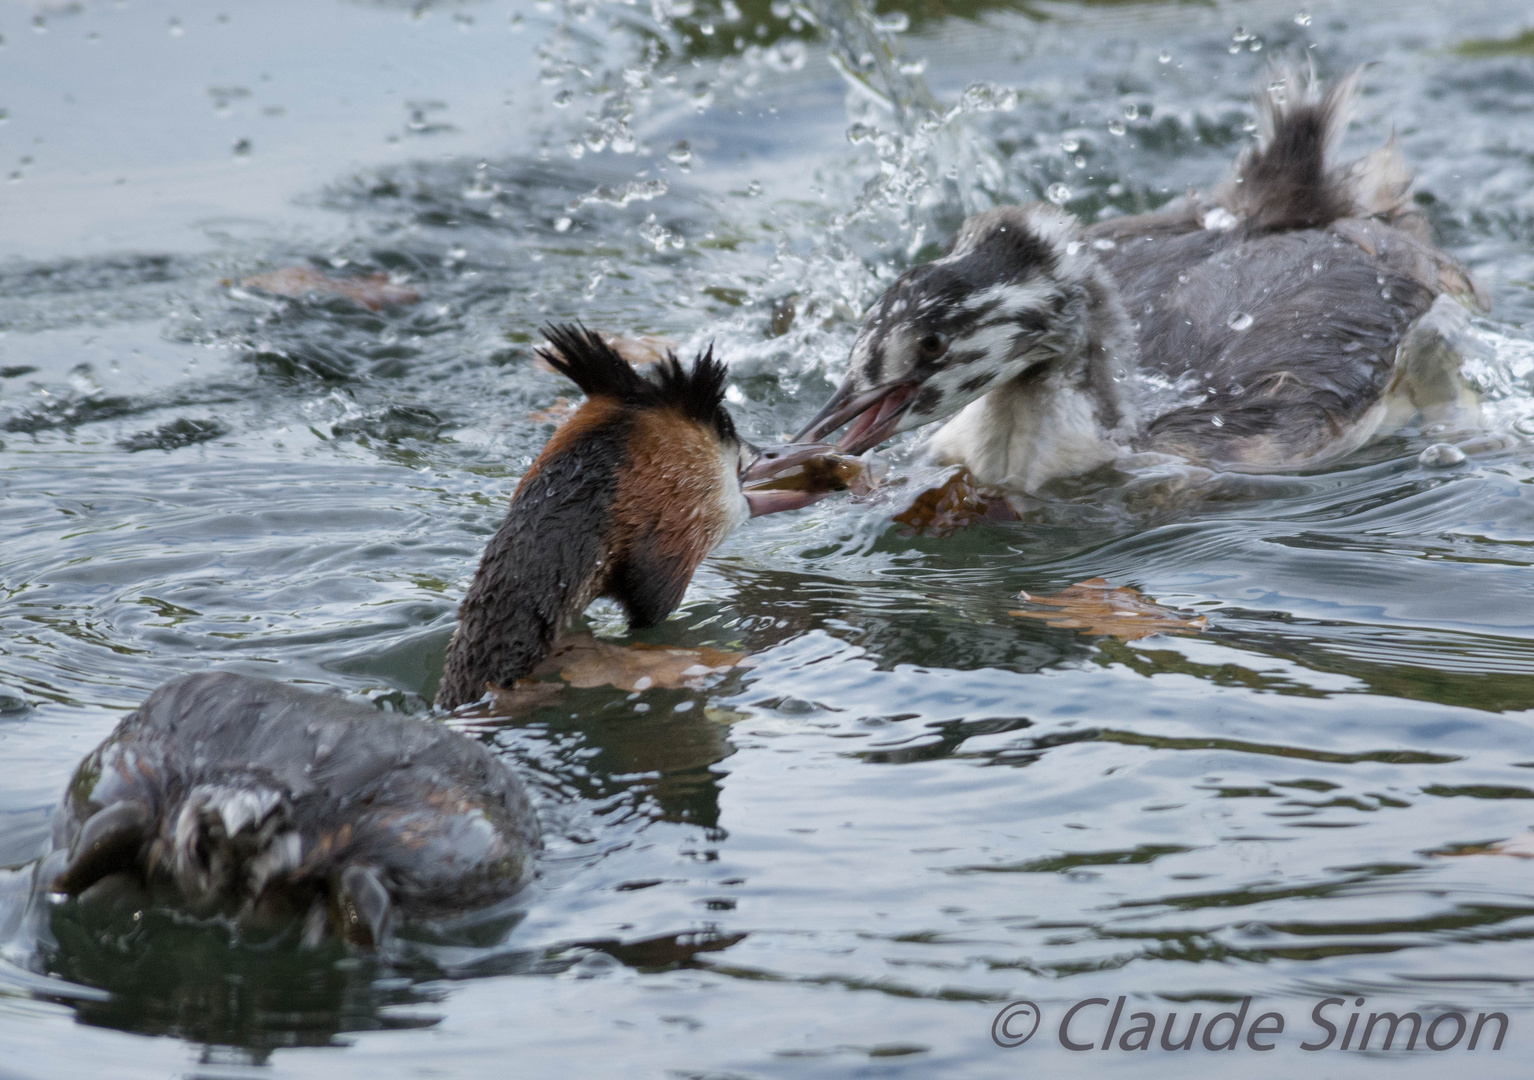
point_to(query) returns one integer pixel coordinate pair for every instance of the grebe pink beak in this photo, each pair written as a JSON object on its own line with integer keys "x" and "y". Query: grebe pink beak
{"x": 874, "y": 416}
{"x": 776, "y": 465}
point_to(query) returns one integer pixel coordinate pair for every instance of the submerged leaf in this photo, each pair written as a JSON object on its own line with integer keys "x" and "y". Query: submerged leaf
{"x": 1518, "y": 847}
{"x": 584, "y": 662}
{"x": 372, "y": 291}
{"x": 1096, "y": 607}
{"x": 958, "y": 503}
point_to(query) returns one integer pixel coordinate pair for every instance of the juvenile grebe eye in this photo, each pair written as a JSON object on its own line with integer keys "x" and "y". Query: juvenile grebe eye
{"x": 933, "y": 346}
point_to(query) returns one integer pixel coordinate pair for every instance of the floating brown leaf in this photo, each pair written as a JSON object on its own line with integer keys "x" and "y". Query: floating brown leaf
{"x": 1517, "y": 847}
{"x": 958, "y": 503}
{"x": 372, "y": 291}
{"x": 1096, "y": 607}
{"x": 584, "y": 662}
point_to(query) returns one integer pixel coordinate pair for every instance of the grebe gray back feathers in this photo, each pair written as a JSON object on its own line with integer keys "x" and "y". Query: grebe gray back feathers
{"x": 1298, "y": 303}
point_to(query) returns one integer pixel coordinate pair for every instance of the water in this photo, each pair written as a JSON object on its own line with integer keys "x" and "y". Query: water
{"x": 917, "y": 807}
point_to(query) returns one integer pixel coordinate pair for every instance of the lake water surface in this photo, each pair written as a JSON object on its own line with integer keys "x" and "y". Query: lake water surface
{"x": 916, "y": 807}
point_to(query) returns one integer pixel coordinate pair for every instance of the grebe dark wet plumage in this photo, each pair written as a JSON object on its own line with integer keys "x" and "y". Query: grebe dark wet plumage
{"x": 273, "y": 803}
{"x": 624, "y": 502}
{"x": 1301, "y": 305}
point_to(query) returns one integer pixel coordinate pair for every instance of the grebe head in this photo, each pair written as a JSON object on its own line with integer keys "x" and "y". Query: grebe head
{"x": 1016, "y": 290}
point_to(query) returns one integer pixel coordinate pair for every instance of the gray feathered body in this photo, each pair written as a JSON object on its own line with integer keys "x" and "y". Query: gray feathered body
{"x": 1297, "y": 310}
{"x": 1284, "y": 299}
{"x": 257, "y": 798}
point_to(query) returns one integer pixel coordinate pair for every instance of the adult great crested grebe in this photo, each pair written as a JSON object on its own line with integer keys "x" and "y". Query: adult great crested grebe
{"x": 248, "y": 796}
{"x": 1301, "y": 302}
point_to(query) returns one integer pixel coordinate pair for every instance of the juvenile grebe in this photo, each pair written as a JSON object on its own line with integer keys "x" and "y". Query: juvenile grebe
{"x": 1297, "y": 301}
{"x": 247, "y": 795}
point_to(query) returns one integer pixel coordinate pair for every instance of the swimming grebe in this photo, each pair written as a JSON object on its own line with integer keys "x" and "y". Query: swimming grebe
{"x": 247, "y": 795}
{"x": 1294, "y": 301}
{"x": 251, "y": 796}
{"x": 624, "y": 502}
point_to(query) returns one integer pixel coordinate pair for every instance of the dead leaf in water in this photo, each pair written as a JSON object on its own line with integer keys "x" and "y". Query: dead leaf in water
{"x": 1517, "y": 847}
{"x": 585, "y": 662}
{"x": 1096, "y": 607}
{"x": 958, "y": 503}
{"x": 373, "y": 291}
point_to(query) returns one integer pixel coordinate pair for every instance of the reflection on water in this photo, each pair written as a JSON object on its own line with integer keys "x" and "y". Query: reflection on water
{"x": 916, "y": 805}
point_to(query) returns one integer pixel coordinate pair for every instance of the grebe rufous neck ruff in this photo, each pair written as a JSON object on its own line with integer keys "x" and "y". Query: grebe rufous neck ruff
{"x": 1302, "y": 302}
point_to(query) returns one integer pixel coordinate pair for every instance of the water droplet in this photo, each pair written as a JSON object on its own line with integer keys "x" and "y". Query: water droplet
{"x": 1524, "y": 425}
{"x": 1315, "y": 267}
{"x": 1239, "y": 320}
{"x": 1070, "y": 145}
{"x": 1217, "y": 420}
{"x": 1441, "y": 456}
{"x": 896, "y": 22}
{"x": 176, "y": 29}
{"x": 1384, "y": 294}
{"x": 1103, "y": 244}
{"x": 1073, "y": 247}
{"x": 1302, "y": 19}
{"x": 562, "y": 224}
{"x": 1182, "y": 278}
{"x": 1131, "y": 112}
{"x": 681, "y": 153}
{"x": 1079, "y": 161}
{"x": 1116, "y": 127}
{"x": 1058, "y": 194}
{"x": 1255, "y": 45}
{"x": 860, "y": 133}
{"x": 1165, "y": 57}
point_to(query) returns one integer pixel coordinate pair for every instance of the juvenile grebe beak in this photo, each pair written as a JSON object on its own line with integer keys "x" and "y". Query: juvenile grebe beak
{"x": 791, "y": 476}
{"x": 874, "y": 415}
{"x": 1008, "y": 296}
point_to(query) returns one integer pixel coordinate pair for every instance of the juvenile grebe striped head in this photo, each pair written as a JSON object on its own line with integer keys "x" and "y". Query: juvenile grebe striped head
{"x": 1019, "y": 288}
